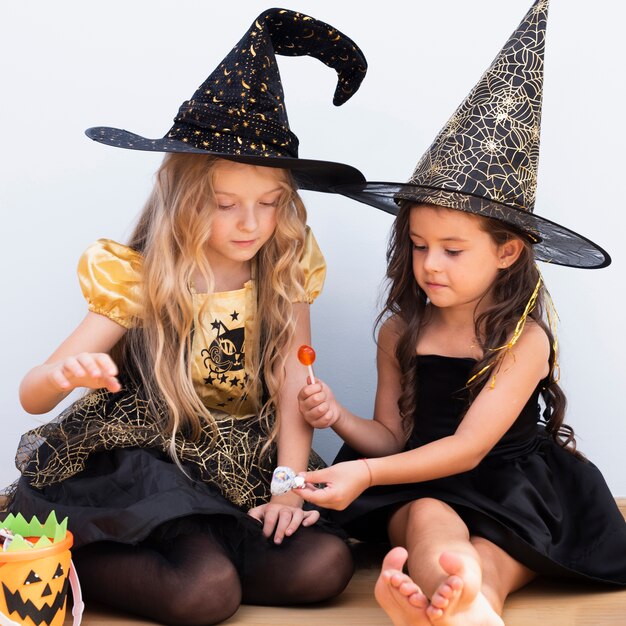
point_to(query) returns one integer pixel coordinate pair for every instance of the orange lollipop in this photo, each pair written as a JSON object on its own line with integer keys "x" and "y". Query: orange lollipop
{"x": 306, "y": 356}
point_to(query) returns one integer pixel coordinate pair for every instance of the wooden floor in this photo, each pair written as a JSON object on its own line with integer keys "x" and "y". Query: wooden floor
{"x": 543, "y": 602}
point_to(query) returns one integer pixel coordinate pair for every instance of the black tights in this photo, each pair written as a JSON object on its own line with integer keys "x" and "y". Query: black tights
{"x": 193, "y": 581}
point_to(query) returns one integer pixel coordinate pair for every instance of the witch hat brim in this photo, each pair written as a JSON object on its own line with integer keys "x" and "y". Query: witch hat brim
{"x": 485, "y": 159}
{"x": 309, "y": 174}
{"x": 238, "y": 113}
{"x": 552, "y": 243}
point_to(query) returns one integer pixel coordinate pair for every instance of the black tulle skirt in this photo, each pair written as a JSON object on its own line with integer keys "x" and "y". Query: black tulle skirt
{"x": 124, "y": 495}
{"x": 105, "y": 464}
{"x": 546, "y": 508}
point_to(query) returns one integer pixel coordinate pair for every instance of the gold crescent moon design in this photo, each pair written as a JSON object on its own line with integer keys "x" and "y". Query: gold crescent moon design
{"x": 245, "y": 84}
{"x": 252, "y": 51}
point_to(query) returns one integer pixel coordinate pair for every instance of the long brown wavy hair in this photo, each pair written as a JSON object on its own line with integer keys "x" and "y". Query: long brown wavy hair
{"x": 511, "y": 292}
{"x": 171, "y": 235}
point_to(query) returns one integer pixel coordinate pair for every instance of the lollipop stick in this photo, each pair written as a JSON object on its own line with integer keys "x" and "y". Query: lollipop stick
{"x": 310, "y": 368}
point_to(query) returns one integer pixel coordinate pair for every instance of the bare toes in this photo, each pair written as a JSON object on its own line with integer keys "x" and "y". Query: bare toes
{"x": 418, "y": 600}
{"x": 408, "y": 588}
{"x": 439, "y": 601}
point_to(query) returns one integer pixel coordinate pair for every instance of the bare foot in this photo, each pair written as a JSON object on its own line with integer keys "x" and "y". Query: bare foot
{"x": 459, "y": 600}
{"x": 398, "y": 595}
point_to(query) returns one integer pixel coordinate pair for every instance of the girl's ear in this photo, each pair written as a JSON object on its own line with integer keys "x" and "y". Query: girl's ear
{"x": 509, "y": 252}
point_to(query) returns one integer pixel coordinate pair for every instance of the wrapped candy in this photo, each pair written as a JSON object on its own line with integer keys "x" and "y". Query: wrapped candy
{"x": 306, "y": 356}
{"x": 285, "y": 479}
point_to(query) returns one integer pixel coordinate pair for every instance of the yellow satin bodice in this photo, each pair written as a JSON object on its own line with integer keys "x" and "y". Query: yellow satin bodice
{"x": 110, "y": 278}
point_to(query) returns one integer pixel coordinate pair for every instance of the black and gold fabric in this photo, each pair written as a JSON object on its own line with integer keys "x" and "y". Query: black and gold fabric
{"x": 106, "y": 462}
{"x": 485, "y": 159}
{"x": 239, "y": 111}
{"x": 550, "y": 510}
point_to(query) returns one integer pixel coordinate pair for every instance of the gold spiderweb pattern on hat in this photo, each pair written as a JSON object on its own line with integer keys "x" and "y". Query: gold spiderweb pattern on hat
{"x": 490, "y": 146}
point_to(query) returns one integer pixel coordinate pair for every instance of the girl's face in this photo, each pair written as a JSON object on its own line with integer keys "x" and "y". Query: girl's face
{"x": 455, "y": 262}
{"x": 245, "y": 216}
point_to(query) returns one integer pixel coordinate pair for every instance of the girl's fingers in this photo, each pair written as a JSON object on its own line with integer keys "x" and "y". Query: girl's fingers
{"x": 310, "y": 517}
{"x": 269, "y": 521}
{"x": 87, "y": 370}
{"x": 106, "y": 364}
{"x": 59, "y": 380}
{"x": 318, "y": 476}
{"x": 297, "y": 519}
{"x": 71, "y": 367}
{"x": 257, "y": 512}
{"x": 112, "y": 384}
{"x": 89, "y": 364}
{"x": 314, "y": 496}
{"x": 285, "y": 518}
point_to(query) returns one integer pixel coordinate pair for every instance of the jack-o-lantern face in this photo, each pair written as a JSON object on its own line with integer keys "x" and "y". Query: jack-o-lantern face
{"x": 36, "y": 590}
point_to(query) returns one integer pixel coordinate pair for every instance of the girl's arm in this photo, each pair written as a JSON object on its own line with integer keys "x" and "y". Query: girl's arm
{"x": 489, "y": 417}
{"x": 80, "y": 361}
{"x": 381, "y": 436}
{"x": 284, "y": 514}
{"x": 295, "y": 435}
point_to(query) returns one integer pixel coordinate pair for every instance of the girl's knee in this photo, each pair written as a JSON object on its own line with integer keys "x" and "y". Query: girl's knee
{"x": 338, "y": 570}
{"x": 427, "y": 510}
{"x": 324, "y": 567}
{"x": 203, "y": 600}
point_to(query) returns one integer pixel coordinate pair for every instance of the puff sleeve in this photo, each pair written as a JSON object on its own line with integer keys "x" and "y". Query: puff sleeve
{"x": 314, "y": 267}
{"x": 109, "y": 274}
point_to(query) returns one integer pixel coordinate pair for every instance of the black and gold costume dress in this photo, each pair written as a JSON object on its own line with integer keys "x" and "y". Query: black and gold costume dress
{"x": 104, "y": 461}
{"x": 548, "y": 509}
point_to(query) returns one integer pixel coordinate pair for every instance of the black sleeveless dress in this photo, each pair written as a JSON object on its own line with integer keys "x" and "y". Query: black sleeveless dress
{"x": 546, "y": 508}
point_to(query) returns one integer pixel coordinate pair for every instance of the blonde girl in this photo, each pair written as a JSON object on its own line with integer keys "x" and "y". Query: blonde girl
{"x": 189, "y": 349}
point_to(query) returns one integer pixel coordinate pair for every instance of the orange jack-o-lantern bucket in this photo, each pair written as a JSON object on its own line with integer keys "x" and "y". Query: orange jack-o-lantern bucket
{"x": 35, "y": 572}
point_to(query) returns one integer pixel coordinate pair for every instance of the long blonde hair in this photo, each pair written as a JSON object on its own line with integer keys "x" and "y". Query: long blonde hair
{"x": 171, "y": 234}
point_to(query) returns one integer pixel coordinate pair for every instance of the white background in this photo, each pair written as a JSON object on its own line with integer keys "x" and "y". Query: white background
{"x": 67, "y": 65}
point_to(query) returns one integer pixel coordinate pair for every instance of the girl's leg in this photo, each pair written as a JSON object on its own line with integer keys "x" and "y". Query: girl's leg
{"x": 502, "y": 574}
{"x": 191, "y": 582}
{"x": 310, "y": 566}
{"x": 448, "y": 565}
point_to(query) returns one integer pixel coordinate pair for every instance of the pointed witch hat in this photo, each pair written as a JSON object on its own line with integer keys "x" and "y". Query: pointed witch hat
{"x": 485, "y": 158}
{"x": 238, "y": 113}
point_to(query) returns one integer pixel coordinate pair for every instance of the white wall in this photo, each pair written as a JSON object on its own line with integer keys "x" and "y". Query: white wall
{"x": 68, "y": 65}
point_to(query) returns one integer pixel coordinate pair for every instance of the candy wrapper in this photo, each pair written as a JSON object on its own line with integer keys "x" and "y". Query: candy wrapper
{"x": 285, "y": 479}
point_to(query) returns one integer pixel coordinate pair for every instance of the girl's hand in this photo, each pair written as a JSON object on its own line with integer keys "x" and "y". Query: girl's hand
{"x": 318, "y": 405}
{"x": 282, "y": 518}
{"x": 88, "y": 369}
{"x": 344, "y": 482}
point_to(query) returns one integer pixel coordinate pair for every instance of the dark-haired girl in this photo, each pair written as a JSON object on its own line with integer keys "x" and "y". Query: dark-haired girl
{"x": 466, "y": 476}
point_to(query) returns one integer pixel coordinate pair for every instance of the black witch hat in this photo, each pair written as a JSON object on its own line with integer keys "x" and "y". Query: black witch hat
{"x": 485, "y": 159}
{"x": 238, "y": 113}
